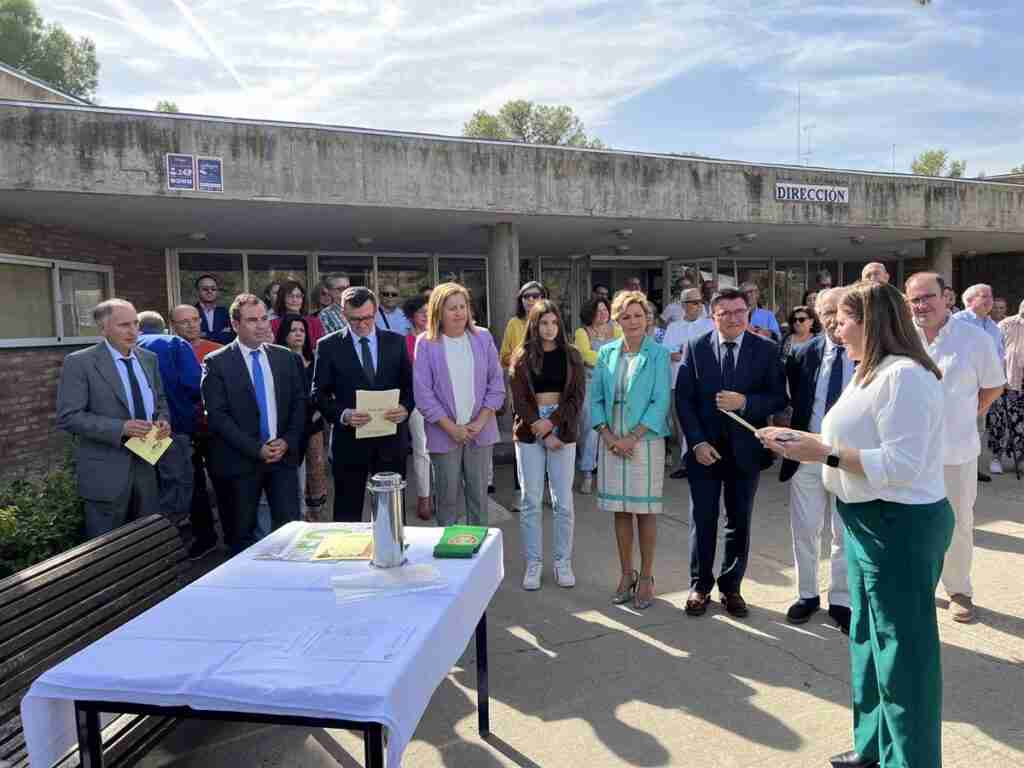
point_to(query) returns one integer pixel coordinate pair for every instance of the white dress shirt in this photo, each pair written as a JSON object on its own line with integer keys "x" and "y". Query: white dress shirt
{"x": 897, "y": 423}
{"x": 268, "y": 383}
{"x": 821, "y": 386}
{"x": 680, "y": 333}
{"x": 967, "y": 358}
{"x": 458, "y": 354}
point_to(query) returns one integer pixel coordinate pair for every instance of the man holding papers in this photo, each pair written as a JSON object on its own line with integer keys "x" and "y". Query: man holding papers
{"x": 725, "y": 370}
{"x": 355, "y": 369}
{"x": 108, "y": 394}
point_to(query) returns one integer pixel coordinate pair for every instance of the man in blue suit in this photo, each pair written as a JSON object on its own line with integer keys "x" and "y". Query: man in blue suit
{"x": 214, "y": 323}
{"x": 727, "y": 369}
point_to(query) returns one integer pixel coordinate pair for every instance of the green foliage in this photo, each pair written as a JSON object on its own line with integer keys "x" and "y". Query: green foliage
{"x": 47, "y": 50}
{"x": 39, "y": 518}
{"x": 166, "y": 106}
{"x": 531, "y": 123}
{"x": 937, "y": 162}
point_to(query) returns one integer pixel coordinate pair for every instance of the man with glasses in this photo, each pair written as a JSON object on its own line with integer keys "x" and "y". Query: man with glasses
{"x": 363, "y": 357}
{"x": 214, "y": 322}
{"x": 390, "y": 316}
{"x": 726, "y": 369}
{"x": 972, "y": 379}
{"x": 332, "y": 317}
{"x": 693, "y": 324}
{"x": 762, "y": 321}
{"x": 817, "y": 373}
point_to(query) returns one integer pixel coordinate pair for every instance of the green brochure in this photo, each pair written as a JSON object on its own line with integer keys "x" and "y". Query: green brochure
{"x": 460, "y": 541}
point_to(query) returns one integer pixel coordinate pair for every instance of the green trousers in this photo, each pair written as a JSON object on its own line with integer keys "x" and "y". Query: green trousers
{"x": 894, "y": 554}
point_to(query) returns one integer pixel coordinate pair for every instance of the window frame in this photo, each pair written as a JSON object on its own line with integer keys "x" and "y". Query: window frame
{"x": 56, "y": 266}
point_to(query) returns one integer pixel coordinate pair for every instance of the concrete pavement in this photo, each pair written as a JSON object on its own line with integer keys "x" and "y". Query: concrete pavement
{"x": 576, "y": 681}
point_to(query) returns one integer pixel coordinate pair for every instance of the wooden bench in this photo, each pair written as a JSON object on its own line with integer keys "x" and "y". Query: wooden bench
{"x": 57, "y": 607}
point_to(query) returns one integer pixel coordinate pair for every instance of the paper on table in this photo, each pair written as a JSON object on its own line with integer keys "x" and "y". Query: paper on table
{"x": 149, "y": 447}
{"x": 375, "y": 403}
{"x": 366, "y": 641}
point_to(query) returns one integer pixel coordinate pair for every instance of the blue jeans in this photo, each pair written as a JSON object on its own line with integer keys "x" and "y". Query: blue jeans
{"x": 533, "y": 460}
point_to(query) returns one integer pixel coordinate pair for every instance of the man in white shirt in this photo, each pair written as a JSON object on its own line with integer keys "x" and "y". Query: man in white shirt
{"x": 390, "y": 316}
{"x": 693, "y": 324}
{"x": 972, "y": 379}
{"x": 875, "y": 272}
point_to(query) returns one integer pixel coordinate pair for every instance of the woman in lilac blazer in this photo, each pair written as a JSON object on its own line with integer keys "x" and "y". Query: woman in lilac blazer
{"x": 458, "y": 387}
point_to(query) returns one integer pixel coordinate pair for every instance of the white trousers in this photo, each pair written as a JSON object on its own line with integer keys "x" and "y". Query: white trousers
{"x": 420, "y": 457}
{"x": 962, "y": 491}
{"x": 809, "y": 502}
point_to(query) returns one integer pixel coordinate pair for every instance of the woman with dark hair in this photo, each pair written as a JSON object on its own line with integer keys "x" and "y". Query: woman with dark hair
{"x": 293, "y": 332}
{"x": 810, "y": 297}
{"x": 416, "y": 313}
{"x": 881, "y": 445}
{"x": 270, "y": 297}
{"x": 547, "y": 393}
{"x": 291, "y": 300}
{"x": 803, "y": 326}
{"x": 596, "y": 331}
{"x": 515, "y": 330}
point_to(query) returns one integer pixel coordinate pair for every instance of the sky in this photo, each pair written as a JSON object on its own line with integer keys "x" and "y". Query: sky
{"x": 712, "y": 77}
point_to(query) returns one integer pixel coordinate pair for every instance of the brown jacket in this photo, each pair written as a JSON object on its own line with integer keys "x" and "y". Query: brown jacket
{"x": 524, "y": 401}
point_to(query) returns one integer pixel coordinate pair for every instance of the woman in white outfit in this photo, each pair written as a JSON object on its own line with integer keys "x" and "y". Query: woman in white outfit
{"x": 416, "y": 312}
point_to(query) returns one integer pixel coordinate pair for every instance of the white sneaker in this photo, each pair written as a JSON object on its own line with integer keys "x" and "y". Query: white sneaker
{"x": 531, "y": 579}
{"x": 564, "y": 577}
{"x": 587, "y": 486}
{"x": 996, "y": 467}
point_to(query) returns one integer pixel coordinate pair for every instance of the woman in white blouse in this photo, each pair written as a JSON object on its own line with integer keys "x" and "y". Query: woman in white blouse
{"x": 881, "y": 447}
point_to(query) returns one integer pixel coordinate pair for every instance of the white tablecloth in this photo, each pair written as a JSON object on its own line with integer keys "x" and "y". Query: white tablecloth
{"x": 238, "y": 639}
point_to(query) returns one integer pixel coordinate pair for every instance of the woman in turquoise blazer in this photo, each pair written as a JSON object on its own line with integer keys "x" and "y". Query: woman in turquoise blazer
{"x": 631, "y": 392}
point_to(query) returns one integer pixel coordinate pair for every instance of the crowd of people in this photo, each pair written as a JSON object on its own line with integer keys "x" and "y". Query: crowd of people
{"x": 875, "y": 399}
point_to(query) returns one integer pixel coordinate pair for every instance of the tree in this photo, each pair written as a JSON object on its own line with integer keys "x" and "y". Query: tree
{"x": 47, "y": 51}
{"x": 936, "y": 162}
{"x": 166, "y": 106}
{"x": 531, "y": 123}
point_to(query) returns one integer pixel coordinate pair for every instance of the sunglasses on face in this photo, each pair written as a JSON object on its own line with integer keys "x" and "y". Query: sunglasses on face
{"x": 389, "y": 294}
{"x": 801, "y": 319}
{"x": 531, "y": 296}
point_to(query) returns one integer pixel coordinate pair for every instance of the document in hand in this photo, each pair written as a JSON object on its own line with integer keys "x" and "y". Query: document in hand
{"x": 376, "y": 403}
{"x": 148, "y": 448}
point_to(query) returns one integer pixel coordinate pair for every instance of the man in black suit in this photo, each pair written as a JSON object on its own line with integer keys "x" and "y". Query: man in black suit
{"x": 365, "y": 357}
{"x": 214, "y": 320}
{"x": 727, "y": 369}
{"x": 255, "y": 398}
{"x": 817, "y": 372}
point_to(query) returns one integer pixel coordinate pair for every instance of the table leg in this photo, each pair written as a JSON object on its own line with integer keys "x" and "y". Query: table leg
{"x": 483, "y": 700}
{"x": 373, "y": 739}
{"x": 90, "y": 740}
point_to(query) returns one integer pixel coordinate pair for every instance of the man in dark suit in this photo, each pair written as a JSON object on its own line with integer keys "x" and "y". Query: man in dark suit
{"x": 214, "y": 320}
{"x": 817, "y": 372}
{"x": 109, "y": 393}
{"x": 727, "y": 369}
{"x": 365, "y": 357}
{"x": 255, "y": 398}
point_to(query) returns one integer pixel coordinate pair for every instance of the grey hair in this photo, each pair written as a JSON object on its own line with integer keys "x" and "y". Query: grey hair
{"x": 151, "y": 322}
{"x": 105, "y": 309}
{"x": 327, "y": 281}
{"x": 828, "y": 294}
{"x": 971, "y": 290}
{"x": 357, "y": 295}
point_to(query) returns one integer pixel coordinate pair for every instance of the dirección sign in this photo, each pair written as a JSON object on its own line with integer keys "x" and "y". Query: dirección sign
{"x": 810, "y": 193}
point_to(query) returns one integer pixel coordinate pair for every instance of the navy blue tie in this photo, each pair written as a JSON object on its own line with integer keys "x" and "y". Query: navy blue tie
{"x": 835, "y": 380}
{"x": 261, "y": 395}
{"x": 729, "y": 366}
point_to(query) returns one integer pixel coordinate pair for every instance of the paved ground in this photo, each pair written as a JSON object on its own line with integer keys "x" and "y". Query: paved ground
{"x": 576, "y": 681}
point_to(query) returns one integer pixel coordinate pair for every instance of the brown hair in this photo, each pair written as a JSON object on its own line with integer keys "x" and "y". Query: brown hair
{"x": 243, "y": 300}
{"x": 435, "y": 308}
{"x": 623, "y": 299}
{"x": 888, "y": 328}
{"x": 532, "y": 349}
{"x": 287, "y": 287}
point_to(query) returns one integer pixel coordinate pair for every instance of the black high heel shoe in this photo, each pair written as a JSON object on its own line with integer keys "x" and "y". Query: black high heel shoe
{"x": 623, "y": 597}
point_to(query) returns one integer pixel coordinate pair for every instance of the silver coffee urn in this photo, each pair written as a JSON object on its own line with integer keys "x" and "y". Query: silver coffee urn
{"x": 386, "y": 515}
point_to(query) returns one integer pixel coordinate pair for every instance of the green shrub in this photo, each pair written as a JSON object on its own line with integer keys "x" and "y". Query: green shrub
{"x": 39, "y": 518}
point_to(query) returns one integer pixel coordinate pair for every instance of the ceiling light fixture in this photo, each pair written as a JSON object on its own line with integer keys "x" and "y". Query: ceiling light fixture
{"x": 821, "y": 251}
{"x": 731, "y": 248}
{"x": 622, "y": 249}
{"x": 857, "y": 239}
{"x": 624, "y": 234}
{"x": 747, "y": 237}
{"x": 364, "y": 241}
{"x": 970, "y": 254}
{"x": 197, "y": 236}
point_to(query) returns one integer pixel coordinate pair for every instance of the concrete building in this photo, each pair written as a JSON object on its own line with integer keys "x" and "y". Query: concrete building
{"x": 96, "y": 201}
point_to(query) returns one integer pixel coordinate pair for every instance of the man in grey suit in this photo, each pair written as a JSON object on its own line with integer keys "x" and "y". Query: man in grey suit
{"x": 108, "y": 394}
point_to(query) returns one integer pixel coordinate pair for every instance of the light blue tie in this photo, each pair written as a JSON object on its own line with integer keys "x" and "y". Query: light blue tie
{"x": 261, "y": 395}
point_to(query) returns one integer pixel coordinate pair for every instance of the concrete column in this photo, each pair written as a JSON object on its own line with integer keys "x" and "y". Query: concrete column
{"x": 503, "y": 272}
{"x": 939, "y": 252}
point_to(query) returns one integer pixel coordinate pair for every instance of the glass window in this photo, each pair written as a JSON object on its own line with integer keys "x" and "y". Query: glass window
{"x": 472, "y": 273}
{"x": 409, "y": 275}
{"x": 790, "y": 285}
{"x": 265, "y": 268}
{"x": 818, "y": 271}
{"x": 26, "y": 294}
{"x": 226, "y": 267}
{"x": 557, "y": 279}
{"x": 357, "y": 267}
{"x": 80, "y": 292}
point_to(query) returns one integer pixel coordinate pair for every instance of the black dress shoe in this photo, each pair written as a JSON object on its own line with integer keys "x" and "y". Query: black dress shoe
{"x": 734, "y": 604}
{"x": 841, "y": 616}
{"x": 490, "y": 489}
{"x": 679, "y": 474}
{"x": 852, "y": 759}
{"x": 802, "y": 610}
{"x": 983, "y": 478}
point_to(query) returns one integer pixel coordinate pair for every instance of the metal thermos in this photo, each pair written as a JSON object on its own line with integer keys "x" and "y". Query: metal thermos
{"x": 386, "y": 499}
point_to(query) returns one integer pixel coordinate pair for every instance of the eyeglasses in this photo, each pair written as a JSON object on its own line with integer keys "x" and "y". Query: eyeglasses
{"x": 389, "y": 294}
{"x": 924, "y": 299}
{"x": 736, "y": 313}
{"x": 531, "y": 296}
{"x": 801, "y": 319}
{"x": 693, "y": 301}
{"x": 353, "y": 319}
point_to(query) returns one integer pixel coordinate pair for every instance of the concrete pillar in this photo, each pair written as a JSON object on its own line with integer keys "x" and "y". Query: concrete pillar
{"x": 503, "y": 271}
{"x": 939, "y": 253}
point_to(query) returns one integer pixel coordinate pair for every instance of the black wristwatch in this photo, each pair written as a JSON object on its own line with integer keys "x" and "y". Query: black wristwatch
{"x": 832, "y": 459}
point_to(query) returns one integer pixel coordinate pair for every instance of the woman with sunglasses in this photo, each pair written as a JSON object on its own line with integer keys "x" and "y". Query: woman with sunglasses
{"x": 515, "y": 331}
{"x": 803, "y": 326}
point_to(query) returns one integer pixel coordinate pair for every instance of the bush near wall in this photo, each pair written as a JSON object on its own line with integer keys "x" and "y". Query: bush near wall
{"x": 39, "y": 518}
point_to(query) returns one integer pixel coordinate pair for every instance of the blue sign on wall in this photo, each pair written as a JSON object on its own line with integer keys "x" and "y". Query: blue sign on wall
{"x": 181, "y": 172}
{"x": 210, "y": 173}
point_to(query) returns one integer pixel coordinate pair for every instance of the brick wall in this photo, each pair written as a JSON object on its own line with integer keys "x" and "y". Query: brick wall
{"x": 28, "y": 376}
